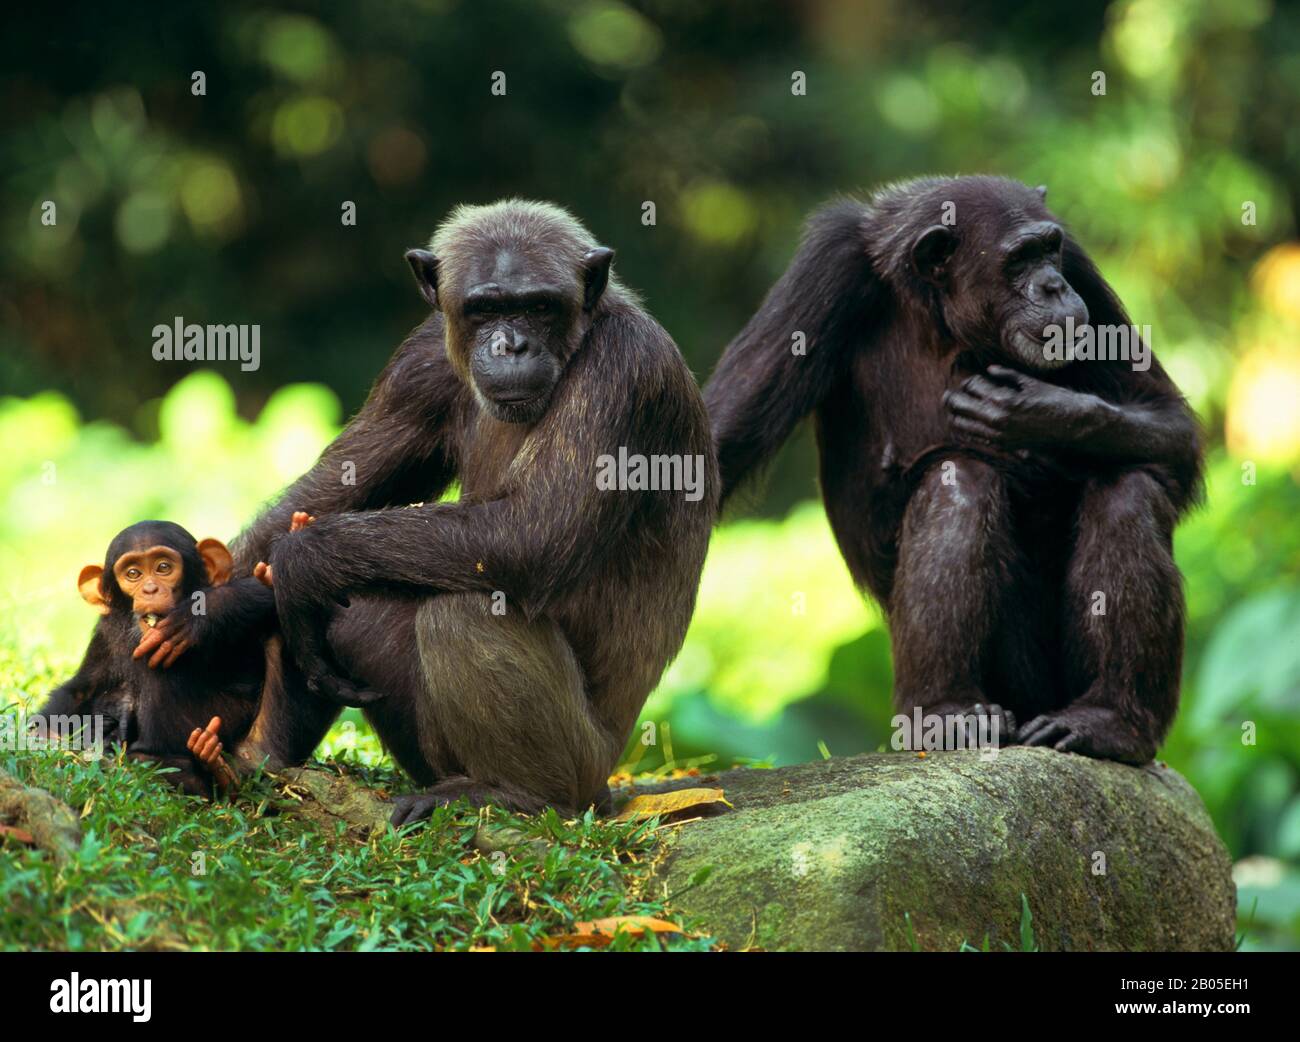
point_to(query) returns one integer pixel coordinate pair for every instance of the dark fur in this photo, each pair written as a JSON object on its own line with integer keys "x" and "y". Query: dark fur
{"x": 532, "y": 707}
{"x": 986, "y": 583}
{"x": 153, "y": 711}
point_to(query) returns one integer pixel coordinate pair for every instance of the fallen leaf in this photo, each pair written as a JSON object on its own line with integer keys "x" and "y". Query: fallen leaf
{"x": 22, "y": 835}
{"x": 674, "y": 804}
{"x": 600, "y": 932}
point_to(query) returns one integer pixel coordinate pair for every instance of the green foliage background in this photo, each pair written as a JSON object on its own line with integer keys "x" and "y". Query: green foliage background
{"x": 226, "y": 208}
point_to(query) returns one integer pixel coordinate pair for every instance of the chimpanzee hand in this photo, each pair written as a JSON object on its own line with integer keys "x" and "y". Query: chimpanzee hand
{"x": 262, "y": 571}
{"x": 1096, "y": 731}
{"x": 1013, "y": 410}
{"x": 205, "y": 745}
{"x": 304, "y": 601}
{"x": 173, "y": 635}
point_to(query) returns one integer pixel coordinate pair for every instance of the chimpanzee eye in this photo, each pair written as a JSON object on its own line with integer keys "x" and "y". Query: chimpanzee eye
{"x": 164, "y": 567}
{"x": 541, "y": 305}
{"x": 133, "y": 573}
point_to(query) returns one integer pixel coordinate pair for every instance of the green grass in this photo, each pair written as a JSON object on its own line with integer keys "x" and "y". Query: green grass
{"x": 273, "y": 880}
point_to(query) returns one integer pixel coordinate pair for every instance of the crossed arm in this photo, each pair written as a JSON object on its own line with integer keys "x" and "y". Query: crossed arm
{"x": 532, "y": 542}
{"x": 1016, "y": 411}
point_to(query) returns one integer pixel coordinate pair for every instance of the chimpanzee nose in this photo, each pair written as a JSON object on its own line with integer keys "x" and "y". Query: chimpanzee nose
{"x": 517, "y": 344}
{"x": 149, "y": 586}
{"x": 1053, "y": 285}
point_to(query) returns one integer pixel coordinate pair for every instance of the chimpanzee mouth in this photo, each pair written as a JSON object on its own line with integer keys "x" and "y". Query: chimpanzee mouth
{"x": 1032, "y": 350}
{"x": 514, "y": 397}
{"x": 150, "y": 619}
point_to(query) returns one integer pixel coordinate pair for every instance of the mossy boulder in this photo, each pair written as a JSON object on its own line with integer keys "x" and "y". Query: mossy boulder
{"x": 898, "y": 851}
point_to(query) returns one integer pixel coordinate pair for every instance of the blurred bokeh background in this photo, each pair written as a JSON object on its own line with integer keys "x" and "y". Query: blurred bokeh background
{"x": 1182, "y": 179}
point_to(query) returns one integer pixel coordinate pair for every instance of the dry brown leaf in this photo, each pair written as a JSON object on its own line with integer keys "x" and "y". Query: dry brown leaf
{"x": 21, "y": 835}
{"x": 677, "y": 803}
{"x": 600, "y": 932}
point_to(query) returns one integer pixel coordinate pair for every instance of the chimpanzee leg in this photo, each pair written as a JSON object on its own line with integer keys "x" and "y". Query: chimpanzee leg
{"x": 290, "y": 721}
{"x": 506, "y": 717}
{"x": 948, "y": 591}
{"x": 1123, "y": 629}
{"x": 373, "y": 641}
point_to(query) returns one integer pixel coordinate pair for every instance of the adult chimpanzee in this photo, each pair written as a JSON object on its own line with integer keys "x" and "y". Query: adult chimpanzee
{"x": 1012, "y": 511}
{"x": 182, "y": 714}
{"x": 503, "y": 643}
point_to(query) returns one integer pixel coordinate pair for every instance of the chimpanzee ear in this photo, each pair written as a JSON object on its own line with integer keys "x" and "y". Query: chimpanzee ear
{"x": 217, "y": 560}
{"x": 595, "y": 267}
{"x": 91, "y": 592}
{"x": 425, "y": 266}
{"x": 1042, "y": 192}
{"x": 931, "y": 251}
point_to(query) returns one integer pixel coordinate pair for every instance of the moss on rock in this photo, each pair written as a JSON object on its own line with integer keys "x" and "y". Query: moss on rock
{"x": 843, "y": 854}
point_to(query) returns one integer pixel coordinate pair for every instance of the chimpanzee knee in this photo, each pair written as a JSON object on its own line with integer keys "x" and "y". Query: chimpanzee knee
{"x": 506, "y": 704}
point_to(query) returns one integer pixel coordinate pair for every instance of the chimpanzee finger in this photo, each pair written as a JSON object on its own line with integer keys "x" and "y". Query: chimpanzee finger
{"x": 178, "y": 649}
{"x": 962, "y": 404}
{"x": 975, "y": 429}
{"x": 262, "y": 573}
{"x": 407, "y": 810}
{"x": 193, "y": 741}
{"x": 334, "y": 688}
{"x": 1071, "y": 743}
{"x": 981, "y": 387}
{"x": 160, "y": 656}
{"x": 151, "y": 639}
{"x": 1047, "y": 734}
{"x": 1005, "y": 376}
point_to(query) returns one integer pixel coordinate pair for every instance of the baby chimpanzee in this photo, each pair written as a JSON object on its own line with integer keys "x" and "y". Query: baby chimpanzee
{"x": 212, "y": 675}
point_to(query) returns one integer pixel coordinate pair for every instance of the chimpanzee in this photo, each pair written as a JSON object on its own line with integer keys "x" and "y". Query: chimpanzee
{"x": 502, "y": 643}
{"x": 205, "y": 696}
{"x": 1011, "y": 506}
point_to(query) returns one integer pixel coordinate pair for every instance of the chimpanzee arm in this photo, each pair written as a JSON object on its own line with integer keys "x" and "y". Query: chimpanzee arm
{"x": 781, "y": 365}
{"x": 95, "y": 674}
{"x": 1152, "y": 427}
{"x": 395, "y": 450}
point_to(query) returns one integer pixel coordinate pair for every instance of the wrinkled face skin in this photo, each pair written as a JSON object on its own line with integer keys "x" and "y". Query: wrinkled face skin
{"x": 1037, "y": 294}
{"x": 516, "y": 327}
{"x": 152, "y": 578}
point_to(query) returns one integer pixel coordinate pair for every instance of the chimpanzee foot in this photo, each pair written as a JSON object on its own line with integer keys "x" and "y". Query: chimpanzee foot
{"x": 1095, "y": 731}
{"x": 966, "y": 725}
{"x": 407, "y": 810}
{"x": 418, "y": 806}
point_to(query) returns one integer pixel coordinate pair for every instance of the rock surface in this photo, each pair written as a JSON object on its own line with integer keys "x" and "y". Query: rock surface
{"x": 51, "y": 823}
{"x": 891, "y": 851}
